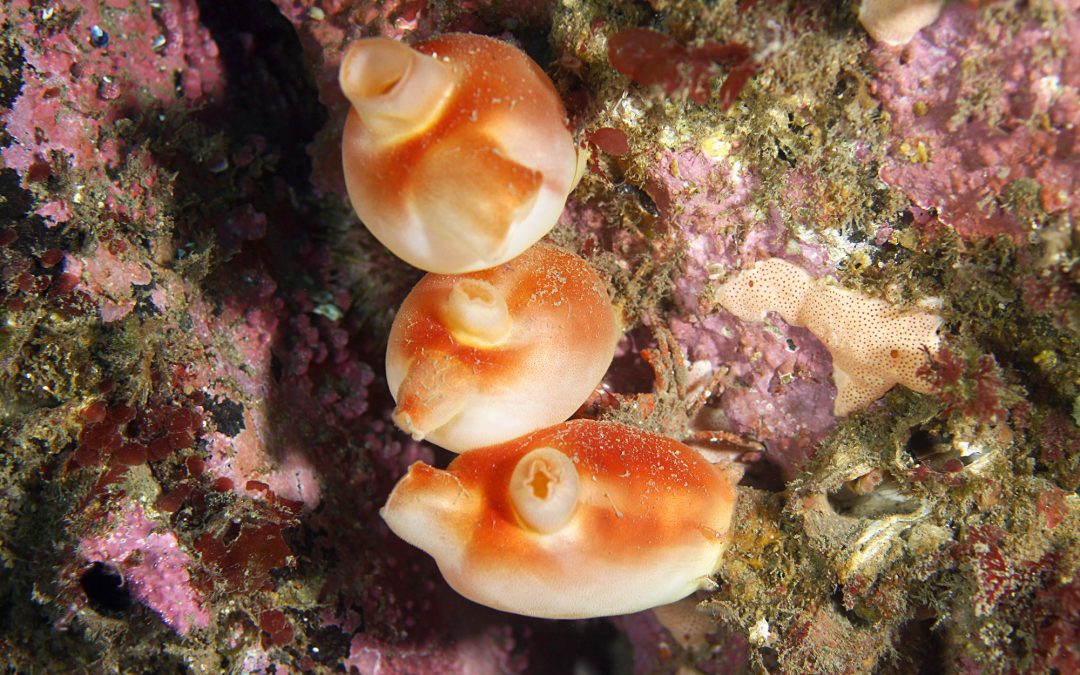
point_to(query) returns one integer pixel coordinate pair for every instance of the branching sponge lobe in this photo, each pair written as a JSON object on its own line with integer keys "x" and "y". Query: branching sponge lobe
{"x": 874, "y": 344}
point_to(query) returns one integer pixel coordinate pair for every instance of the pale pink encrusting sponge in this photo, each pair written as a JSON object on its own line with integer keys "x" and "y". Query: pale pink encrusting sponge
{"x": 874, "y": 345}
{"x": 457, "y": 154}
{"x": 153, "y": 564}
{"x": 481, "y": 358}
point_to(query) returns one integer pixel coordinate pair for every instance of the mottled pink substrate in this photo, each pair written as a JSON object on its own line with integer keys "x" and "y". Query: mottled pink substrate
{"x": 481, "y": 653}
{"x": 648, "y": 637}
{"x": 728, "y": 651}
{"x": 110, "y": 277}
{"x": 152, "y": 564}
{"x": 782, "y": 392}
{"x": 77, "y": 83}
{"x": 237, "y": 366}
{"x": 1026, "y": 126}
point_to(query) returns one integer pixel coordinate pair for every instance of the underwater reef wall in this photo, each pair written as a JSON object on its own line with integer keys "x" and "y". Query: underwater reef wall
{"x": 195, "y": 429}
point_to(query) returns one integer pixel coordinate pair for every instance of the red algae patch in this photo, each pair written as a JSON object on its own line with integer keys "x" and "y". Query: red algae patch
{"x": 276, "y": 628}
{"x": 133, "y": 436}
{"x": 245, "y": 562}
{"x": 650, "y": 58}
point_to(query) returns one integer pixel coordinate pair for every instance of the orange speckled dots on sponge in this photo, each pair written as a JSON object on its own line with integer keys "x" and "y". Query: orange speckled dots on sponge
{"x": 874, "y": 345}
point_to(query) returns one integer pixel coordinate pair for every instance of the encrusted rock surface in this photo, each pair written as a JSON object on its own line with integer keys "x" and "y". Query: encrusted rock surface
{"x": 195, "y": 433}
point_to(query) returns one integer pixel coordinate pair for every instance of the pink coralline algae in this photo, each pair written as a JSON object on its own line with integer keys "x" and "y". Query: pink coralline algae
{"x": 320, "y": 360}
{"x": 249, "y": 325}
{"x": 152, "y": 564}
{"x": 976, "y": 106}
{"x": 110, "y": 274}
{"x": 92, "y": 64}
{"x": 480, "y": 654}
{"x": 244, "y": 459}
{"x": 781, "y": 391}
{"x": 707, "y": 201}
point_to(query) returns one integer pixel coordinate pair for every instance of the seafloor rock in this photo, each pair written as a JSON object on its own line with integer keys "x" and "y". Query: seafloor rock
{"x": 195, "y": 436}
{"x": 151, "y": 564}
{"x": 983, "y": 111}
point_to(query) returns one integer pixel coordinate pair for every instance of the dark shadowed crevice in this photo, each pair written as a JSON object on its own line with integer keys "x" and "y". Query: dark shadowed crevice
{"x": 271, "y": 93}
{"x": 105, "y": 589}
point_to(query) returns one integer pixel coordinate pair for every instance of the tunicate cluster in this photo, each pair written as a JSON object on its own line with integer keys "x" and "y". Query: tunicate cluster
{"x": 458, "y": 158}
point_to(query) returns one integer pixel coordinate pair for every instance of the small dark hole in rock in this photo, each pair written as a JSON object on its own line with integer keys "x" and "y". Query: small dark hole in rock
{"x": 132, "y": 429}
{"x": 923, "y": 442}
{"x": 770, "y": 659}
{"x": 105, "y": 588}
{"x": 851, "y": 615}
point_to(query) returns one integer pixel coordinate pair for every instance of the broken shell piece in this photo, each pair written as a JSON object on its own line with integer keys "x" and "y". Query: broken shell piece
{"x": 874, "y": 345}
{"x": 457, "y": 154}
{"x": 482, "y": 358}
{"x": 612, "y": 520}
{"x": 895, "y": 22}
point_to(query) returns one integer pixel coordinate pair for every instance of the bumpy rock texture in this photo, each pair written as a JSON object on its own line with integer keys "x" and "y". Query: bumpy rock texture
{"x": 194, "y": 434}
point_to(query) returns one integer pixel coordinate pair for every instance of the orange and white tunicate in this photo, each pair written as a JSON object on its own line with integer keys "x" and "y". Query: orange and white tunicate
{"x": 457, "y": 153}
{"x": 578, "y": 520}
{"x": 481, "y": 358}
